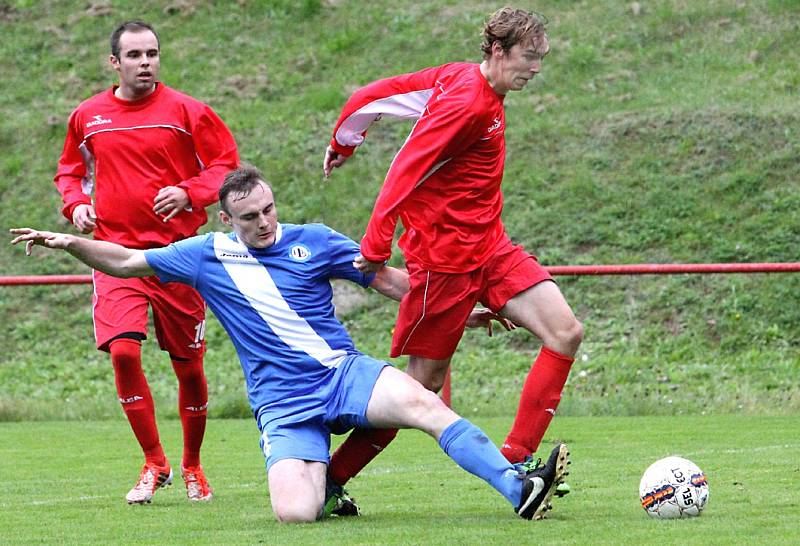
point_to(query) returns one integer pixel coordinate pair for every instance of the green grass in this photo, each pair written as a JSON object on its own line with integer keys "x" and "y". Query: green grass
{"x": 64, "y": 484}
{"x": 670, "y": 135}
{"x": 665, "y": 136}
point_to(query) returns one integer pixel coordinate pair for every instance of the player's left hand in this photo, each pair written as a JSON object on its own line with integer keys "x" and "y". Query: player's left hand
{"x": 169, "y": 201}
{"x": 484, "y": 318}
{"x": 33, "y": 237}
{"x": 366, "y": 266}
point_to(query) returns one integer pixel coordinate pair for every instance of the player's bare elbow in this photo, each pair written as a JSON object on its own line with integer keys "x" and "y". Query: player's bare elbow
{"x": 134, "y": 266}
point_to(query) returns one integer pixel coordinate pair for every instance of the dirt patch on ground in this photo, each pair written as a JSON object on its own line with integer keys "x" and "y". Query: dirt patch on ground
{"x": 347, "y": 297}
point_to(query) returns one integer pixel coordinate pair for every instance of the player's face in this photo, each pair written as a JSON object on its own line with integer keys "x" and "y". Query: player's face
{"x": 137, "y": 64}
{"x": 254, "y": 217}
{"x": 519, "y": 65}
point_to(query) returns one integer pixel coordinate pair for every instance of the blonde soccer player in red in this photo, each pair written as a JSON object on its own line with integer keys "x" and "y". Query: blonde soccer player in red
{"x": 444, "y": 185}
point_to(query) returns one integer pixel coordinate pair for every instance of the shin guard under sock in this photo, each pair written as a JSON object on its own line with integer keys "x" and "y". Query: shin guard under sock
{"x": 192, "y": 406}
{"x": 134, "y": 395}
{"x": 473, "y": 451}
{"x": 538, "y": 402}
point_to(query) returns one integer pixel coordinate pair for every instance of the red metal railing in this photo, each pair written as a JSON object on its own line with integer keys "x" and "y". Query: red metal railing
{"x": 630, "y": 269}
{"x": 672, "y": 269}
{"x": 45, "y": 279}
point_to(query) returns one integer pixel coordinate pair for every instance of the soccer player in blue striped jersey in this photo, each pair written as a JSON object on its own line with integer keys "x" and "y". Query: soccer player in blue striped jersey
{"x": 269, "y": 285}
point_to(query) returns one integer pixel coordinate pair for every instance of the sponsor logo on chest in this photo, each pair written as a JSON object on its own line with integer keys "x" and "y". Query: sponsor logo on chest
{"x": 234, "y": 255}
{"x": 98, "y": 120}
{"x": 495, "y": 126}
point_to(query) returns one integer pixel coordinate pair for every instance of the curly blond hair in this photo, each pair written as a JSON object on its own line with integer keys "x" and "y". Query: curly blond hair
{"x": 510, "y": 26}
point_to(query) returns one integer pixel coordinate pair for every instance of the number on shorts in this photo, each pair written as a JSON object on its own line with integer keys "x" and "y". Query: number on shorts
{"x": 200, "y": 332}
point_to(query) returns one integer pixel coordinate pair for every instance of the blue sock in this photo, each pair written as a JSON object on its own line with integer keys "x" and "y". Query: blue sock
{"x": 468, "y": 446}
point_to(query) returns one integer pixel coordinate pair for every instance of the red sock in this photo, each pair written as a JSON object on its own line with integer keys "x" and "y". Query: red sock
{"x": 540, "y": 396}
{"x": 134, "y": 395}
{"x": 357, "y": 451}
{"x": 192, "y": 406}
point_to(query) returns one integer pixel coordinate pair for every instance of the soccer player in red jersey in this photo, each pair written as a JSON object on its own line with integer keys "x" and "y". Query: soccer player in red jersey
{"x": 444, "y": 185}
{"x": 140, "y": 163}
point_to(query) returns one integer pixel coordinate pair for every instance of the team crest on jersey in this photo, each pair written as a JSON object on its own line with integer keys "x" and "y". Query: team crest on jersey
{"x": 299, "y": 253}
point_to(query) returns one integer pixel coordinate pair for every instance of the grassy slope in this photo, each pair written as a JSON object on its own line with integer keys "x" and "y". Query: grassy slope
{"x": 667, "y": 136}
{"x": 412, "y": 494}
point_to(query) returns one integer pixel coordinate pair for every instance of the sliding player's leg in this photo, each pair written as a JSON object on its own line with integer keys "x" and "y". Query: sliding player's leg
{"x": 400, "y": 401}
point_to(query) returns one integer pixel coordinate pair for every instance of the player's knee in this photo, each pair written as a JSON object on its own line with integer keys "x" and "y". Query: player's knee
{"x": 429, "y": 375}
{"x": 189, "y": 370}
{"x": 422, "y": 403}
{"x": 567, "y": 338}
{"x": 573, "y": 335}
{"x": 427, "y": 412}
{"x": 434, "y": 382}
{"x": 295, "y": 508}
{"x": 293, "y": 512}
{"x": 125, "y": 353}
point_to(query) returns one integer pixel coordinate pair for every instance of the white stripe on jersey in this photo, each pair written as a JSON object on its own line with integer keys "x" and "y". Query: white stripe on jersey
{"x": 133, "y": 128}
{"x": 257, "y": 286}
{"x": 403, "y": 105}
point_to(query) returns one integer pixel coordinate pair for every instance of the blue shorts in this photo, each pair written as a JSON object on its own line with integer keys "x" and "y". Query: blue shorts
{"x": 284, "y": 437}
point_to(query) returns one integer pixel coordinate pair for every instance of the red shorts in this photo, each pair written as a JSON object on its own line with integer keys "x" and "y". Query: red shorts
{"x": 119, "y": 307}
{"x": 433, "y": 314}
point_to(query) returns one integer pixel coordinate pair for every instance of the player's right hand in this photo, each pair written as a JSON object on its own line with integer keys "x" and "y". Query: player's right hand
{"x": 83, "y": 218}
{"x": 333, "y": 160}
{"x": 43, "y": 238}
{"x": 366, "y": 266}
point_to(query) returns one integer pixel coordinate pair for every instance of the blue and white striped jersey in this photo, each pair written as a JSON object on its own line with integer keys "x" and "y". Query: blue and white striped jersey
{"x": 275, "y": 304}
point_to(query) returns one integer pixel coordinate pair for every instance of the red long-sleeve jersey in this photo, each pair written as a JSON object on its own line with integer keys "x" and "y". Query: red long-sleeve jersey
{"x": 444, "y": 183}
{"x": 124, "y": 152}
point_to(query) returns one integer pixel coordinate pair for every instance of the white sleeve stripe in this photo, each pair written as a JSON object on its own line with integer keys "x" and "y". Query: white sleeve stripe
{"x": 401, "y": 106}
{"x": 87, "y": 182}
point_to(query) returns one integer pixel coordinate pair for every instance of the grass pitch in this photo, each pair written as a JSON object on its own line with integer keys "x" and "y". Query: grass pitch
{"x": 64, "y": 482}
{"x": 663, "y": 131}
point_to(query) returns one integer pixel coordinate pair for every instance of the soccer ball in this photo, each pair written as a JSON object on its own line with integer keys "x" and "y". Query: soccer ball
{"x": 673, "y": 487}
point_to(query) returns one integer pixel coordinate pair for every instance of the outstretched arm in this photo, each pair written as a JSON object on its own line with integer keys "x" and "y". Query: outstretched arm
{"x": 110, "y": 258}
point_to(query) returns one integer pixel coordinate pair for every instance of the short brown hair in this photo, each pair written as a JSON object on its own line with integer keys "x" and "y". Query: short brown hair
{"x": 130, "y": 26}
{"x": 240, "y": 182}
{"x": 511, "y": 26}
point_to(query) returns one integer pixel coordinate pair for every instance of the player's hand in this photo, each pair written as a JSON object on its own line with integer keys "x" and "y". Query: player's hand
{"x": 484, "y": 318}
{"x": 83, "y": 218}
{"x": 366, "y": 266}
{"x": 169, "y": 201}
{"x": 333, "y": 160}
{"x": 33, "y": 237}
